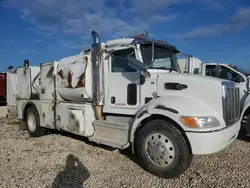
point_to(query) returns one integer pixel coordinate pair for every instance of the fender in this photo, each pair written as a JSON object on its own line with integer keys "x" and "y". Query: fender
{"x": 24, "y": 104}
{"x": 172, "y": 107}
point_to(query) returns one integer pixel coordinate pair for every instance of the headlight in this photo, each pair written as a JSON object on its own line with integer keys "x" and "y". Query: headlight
{"x": 200, "y": 122}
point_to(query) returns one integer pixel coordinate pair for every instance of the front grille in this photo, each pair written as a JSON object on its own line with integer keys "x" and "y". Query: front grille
{"x": 231, "y": 104}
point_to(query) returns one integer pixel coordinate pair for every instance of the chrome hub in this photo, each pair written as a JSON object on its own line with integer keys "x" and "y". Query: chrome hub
{"x": 160, "y": 149}
{"x": 31, "y": 121}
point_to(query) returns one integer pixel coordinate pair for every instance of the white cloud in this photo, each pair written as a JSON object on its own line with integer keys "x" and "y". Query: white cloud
{"x": 77, "y": 17}
{"x": 154, "y": 6}
{"x": 70, "y": 44}
{"x": 112, "y": 18}
{"x": 238, "y": 21}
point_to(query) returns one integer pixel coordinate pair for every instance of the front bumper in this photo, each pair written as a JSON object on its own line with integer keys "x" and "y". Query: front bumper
{"x": 212, "y": 142}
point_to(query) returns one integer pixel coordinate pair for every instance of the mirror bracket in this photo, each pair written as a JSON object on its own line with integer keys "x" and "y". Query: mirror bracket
{"x": 139, "y": 66}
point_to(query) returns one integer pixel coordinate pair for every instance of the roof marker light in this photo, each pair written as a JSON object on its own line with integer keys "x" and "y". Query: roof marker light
{"x": 145, "y": 34}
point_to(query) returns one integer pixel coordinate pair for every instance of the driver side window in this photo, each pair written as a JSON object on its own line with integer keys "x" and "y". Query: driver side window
{"x": 119, "y": 62}
{"x": 223, "y": 73}
{"x": 211, "y": 70}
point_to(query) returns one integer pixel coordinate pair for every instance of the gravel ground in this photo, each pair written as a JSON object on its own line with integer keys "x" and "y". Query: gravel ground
{"x": 60, "y": 160}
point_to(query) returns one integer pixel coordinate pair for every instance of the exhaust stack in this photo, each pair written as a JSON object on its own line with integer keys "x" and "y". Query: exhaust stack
{"x": 96, "y": 38}
{"x": 98, "y": 80}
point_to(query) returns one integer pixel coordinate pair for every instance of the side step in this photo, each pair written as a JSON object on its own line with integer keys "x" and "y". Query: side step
{"x": 114, "y": 134}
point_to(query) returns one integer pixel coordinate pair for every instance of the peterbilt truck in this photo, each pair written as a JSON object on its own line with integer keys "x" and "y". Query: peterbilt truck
{"x": 240, "y": 76}
{"x": 128, "y": 93}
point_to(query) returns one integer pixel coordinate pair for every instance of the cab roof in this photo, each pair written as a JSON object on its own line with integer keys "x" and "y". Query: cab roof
{"x": 139, "y": 40}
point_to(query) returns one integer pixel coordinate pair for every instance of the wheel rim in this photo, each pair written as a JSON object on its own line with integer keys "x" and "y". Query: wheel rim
{"x": 31, "y": 121}
{"x": 160, "y": 149}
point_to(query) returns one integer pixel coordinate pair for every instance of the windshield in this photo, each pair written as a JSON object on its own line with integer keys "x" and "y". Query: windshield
{"x": 163, "y": 57}
{"x": 241, "y": 70}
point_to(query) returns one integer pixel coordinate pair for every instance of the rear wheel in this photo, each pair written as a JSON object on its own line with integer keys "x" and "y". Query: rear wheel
{"x": 162, "y": 150}
{"x": 32, "y": 121}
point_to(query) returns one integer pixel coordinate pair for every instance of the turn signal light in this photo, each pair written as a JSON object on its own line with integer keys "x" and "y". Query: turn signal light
{"x": 190, "y": 122}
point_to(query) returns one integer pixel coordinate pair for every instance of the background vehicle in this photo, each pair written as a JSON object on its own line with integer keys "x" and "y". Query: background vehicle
{"x": 228, "y": 72}
{"x": 3, "y": 81}
{"x": 128, "y": 92}
{"x": 189, "y": 64}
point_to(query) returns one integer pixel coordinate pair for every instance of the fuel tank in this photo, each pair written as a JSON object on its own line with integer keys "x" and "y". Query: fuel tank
{"x": 74, "y": 78}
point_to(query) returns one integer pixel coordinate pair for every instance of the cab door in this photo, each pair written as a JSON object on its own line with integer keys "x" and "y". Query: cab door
{"x": 122, "y": 83}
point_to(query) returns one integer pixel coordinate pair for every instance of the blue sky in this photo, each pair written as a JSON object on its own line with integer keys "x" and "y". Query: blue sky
{"x": 45, "y": 30}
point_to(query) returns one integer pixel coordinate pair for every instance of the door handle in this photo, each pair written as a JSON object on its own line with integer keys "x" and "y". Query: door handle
{"x": 112, "y": 100}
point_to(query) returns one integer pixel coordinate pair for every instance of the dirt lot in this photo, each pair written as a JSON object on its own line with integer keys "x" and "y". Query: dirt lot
{"x": 57, "y": 160}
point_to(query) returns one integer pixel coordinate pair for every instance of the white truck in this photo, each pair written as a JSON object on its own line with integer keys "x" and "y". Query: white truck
{"x": 230, "y": 72}
{"x": 189, "y": 63}
{"x": 128, "y": 92}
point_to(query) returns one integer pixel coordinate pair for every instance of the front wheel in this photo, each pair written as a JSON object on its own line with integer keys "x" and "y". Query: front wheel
{"x": 162, "y": 150}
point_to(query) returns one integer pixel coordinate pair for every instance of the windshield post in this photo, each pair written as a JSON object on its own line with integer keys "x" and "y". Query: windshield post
{"x": 159, "y": 56}
{"x": 153, "y": 51}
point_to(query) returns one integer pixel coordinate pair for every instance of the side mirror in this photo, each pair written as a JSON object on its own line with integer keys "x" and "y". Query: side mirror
{"x": 139, "y": 66}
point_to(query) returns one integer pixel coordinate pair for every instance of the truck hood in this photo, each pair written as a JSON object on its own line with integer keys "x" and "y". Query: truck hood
{"x": 207, "y": 90}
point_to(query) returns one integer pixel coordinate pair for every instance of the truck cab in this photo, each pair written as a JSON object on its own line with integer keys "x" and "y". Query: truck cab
{"x": 228, "y": 72}
{"x": 238, "y": 75}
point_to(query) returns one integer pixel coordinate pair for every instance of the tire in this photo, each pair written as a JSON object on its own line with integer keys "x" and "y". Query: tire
{"x": 176, "y": 155}
{"x": 32, "y": 122}
{"x": 247, "y": 126}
